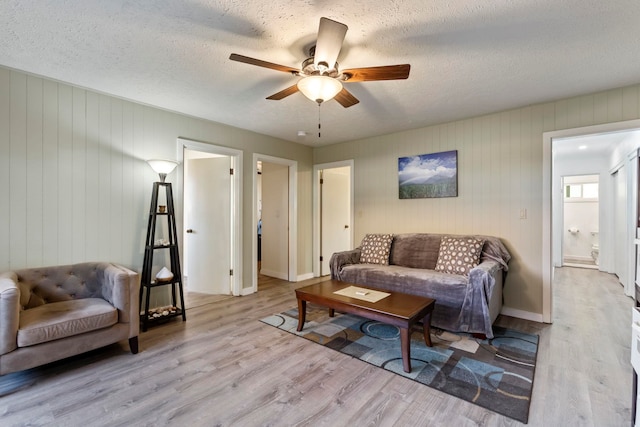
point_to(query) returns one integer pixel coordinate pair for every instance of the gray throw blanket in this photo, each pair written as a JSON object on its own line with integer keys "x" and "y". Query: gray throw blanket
{"x": 463, "y": 303}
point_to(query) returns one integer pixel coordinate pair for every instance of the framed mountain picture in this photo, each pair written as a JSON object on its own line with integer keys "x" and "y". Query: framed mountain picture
{"x": 428, "y": 175}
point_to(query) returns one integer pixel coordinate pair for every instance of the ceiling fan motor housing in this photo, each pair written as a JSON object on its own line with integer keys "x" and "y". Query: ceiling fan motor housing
{"x": 309, "y": 68}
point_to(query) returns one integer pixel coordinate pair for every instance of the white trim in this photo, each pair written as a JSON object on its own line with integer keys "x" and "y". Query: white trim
{"x": 246, "y": 291}
{"x": 316, "y": 208}
{"x": 632, "y": 215}
{"x": 236, "y": 200}
{"x": 276, "y": 274}
{"x": 293, "y": 217}
{"x": 582, "y": 258}
{"x": 547, "y": 247}
{"x": 617, "y": 167}
{"x": 521, "y": 314}
{"x": 306, "y": 276}
{"x": 547, "y": 168}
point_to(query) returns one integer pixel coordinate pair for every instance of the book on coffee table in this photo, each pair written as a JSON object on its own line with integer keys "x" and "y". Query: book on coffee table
{"x": 362, "y": 293}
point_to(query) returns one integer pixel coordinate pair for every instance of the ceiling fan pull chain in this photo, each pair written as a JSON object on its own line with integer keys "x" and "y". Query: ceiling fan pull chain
{"x": 319, "y": 105}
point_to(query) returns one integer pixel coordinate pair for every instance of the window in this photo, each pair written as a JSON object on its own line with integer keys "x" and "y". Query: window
{"x": 590, "y": 191}
{"x": 581, "y": 192}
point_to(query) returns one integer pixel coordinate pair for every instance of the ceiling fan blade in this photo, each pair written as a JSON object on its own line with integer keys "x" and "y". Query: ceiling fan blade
{"x": 265, "y": 64}
{"x": 284, "y": 93}
{"x": 387, "y": 72}
{"x": 346, "y": 99}
{"x": 330, "y": 37}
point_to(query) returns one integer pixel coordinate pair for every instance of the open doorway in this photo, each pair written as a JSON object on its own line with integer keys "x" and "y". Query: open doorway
{"x": 581, "y": 219}
{"x": 273, "y": 221}
{"x": 274, "y": 215}
{"x": 613, "y": 147}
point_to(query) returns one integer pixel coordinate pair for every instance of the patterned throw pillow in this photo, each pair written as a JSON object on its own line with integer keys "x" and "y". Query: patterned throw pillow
{"x": 375, "y": 249}
{"x": 458, "y": 255}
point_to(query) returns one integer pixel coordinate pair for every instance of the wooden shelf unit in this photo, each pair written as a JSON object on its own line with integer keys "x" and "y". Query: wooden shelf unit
{"x": 148, "y": 282}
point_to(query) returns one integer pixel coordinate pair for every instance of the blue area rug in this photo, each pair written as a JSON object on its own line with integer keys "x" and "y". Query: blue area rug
{"x": 496, "y": 374}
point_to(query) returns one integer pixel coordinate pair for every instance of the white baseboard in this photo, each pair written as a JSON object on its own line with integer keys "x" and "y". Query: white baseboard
{"x": 247, "y": 291}
{"x": 305, "y": 276}
{"x": 569, "y": 258}
{"x": 275, "y": 274}
{"x": 521, "y": 314}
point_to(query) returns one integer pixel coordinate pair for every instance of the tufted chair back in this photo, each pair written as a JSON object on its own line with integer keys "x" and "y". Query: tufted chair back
{"x": 51, "y": 313}
{"x": 61, "y": 283}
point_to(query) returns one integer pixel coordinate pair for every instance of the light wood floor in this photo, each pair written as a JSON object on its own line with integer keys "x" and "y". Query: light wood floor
{"x": 224, "y": 367}
{"x": 196, "y": 299}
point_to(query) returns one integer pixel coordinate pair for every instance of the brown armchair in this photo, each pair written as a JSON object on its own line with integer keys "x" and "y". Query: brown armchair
{"x": 50, "y": 313}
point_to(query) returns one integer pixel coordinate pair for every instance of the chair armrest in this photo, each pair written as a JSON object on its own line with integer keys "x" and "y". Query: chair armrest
{"x": 121, "y": 288}
{"x": 9, "y": 312}
{"x": 340, "y": 259}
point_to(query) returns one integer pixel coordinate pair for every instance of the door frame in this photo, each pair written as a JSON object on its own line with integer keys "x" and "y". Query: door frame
{"x": 316, "y": 207}
{"x": 235, "y": 205}
{"x": 547, "y": 200}
{"x": 293, "y": 218}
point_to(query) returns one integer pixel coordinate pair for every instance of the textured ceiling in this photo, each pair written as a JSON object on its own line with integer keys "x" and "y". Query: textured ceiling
{"x": 467, "y": 57}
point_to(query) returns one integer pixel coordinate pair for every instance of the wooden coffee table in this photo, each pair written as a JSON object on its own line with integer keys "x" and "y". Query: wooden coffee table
{"x": 398, "y": 309}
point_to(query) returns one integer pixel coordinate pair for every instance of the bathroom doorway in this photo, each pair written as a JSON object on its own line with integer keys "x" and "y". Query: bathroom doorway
{"x": 581, "y": 207}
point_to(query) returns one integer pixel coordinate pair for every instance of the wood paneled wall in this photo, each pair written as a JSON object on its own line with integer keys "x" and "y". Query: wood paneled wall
{"x": 499, "y": 174}
{"x": 76, "y": 186}
{"x": 74, "y": 179}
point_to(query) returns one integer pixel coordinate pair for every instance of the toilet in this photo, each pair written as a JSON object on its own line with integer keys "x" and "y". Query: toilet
{"x": 595, "y": 247}
{"x": 595, "y": 251}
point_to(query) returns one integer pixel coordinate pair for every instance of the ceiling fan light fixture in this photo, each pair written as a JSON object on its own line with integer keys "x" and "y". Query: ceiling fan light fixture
{"x": 319, "y": 88}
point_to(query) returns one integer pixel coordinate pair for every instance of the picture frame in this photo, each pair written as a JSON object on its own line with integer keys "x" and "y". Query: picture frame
{"x": 428, "y": 175}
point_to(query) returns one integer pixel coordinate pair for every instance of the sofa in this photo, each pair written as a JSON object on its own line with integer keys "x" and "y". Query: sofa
{"x": 464, "y": 274}
{"x": 50, "y": 313}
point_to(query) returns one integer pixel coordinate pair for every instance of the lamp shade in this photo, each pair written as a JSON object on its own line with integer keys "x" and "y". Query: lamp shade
{"x": 162, "y": 167}
{"x": 319, "y": 88}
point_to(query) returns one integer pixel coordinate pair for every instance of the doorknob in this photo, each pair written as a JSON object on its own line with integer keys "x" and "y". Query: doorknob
{"x": 346, "y": 226}
{"x": 189, "y": 230}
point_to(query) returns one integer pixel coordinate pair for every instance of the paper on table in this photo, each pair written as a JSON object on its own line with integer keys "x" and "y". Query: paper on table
{"x": 362, "y": 293}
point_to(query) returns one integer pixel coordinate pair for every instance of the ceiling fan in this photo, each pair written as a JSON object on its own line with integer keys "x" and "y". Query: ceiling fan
{"x": 321, "y": 78}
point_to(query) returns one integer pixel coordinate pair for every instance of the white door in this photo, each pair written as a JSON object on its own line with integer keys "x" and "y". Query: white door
{"x": 335, "y": 214}
{"x": 275, "y": 220}
{"x": 207, "y": 211}
{"x": 620, "y": 225}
